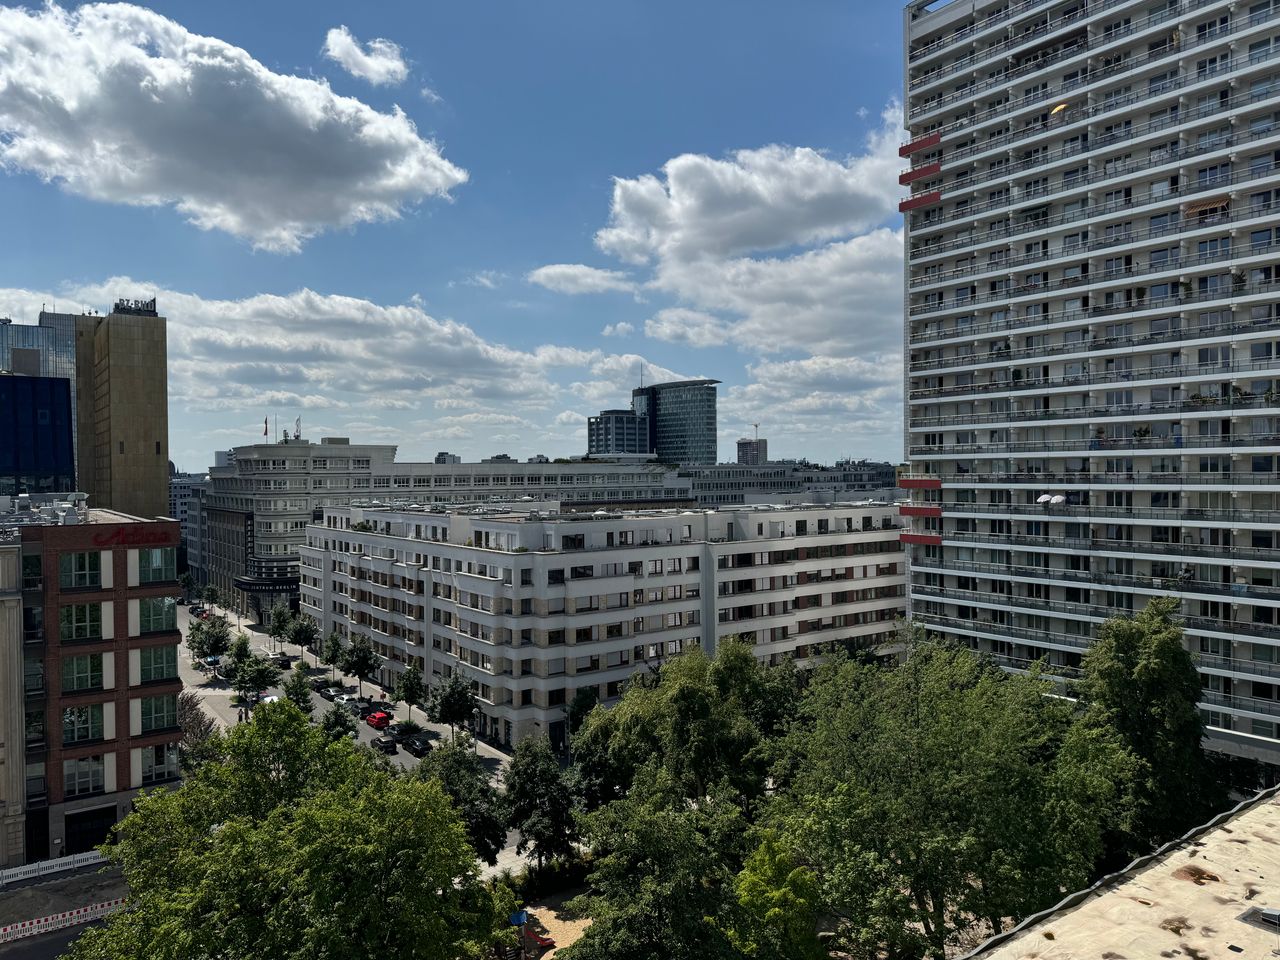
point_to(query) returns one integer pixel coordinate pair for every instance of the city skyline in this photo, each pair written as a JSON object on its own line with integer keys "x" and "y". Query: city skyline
{"x": 424, "y": 289}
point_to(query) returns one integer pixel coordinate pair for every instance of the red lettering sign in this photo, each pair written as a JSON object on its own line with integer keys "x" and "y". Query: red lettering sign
{"x": 134, "y": 535}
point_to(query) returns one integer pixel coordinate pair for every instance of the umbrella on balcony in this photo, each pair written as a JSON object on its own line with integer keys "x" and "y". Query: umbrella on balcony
{"x": 1057, "y": 498}
{"x": 1043, "y": 498}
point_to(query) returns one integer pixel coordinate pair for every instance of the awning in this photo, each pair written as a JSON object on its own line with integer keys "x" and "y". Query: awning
{"x": 1200, "y": 206}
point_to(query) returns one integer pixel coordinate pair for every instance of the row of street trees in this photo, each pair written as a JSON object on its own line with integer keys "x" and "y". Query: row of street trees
{"x": 722, "y": 808}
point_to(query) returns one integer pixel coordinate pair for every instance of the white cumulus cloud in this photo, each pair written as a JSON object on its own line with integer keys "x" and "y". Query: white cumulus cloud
{"x": 576, "y": 278}
{"x": 619, "y": 329}
{"x": 379, "y": 61}
{"x": 122, "y": 105}
{"x": 678, "y": 325}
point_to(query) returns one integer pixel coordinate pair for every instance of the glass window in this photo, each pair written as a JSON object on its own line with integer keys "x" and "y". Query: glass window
{"x": 157, "y": 564}
{"x": 80, "y": 621}
{"x": 157, "y": 613}
{"x": 80, "y": 724}
{"x": 159, "y": 663}
{"x": 159, "y": 713}
{"x": 83, "y": 776}
{"x": 159, "y": 762}
{"x": 80, "y": 570}
{"x": 82, "y": 673}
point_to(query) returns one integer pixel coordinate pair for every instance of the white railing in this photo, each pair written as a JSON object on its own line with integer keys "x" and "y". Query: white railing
{"x": 57, "y": 921}
{"x": 44, "y": 867}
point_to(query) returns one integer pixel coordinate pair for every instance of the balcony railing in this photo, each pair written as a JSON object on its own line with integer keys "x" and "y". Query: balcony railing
{"x": 1215, "y": 408}
{"x": 1227, "y": 516}
{"x": 1192, "y": 552}
{"x": 1115, "y": 379}
{"x": 1084, "y": 446}
{"x": 1082, "y": 478}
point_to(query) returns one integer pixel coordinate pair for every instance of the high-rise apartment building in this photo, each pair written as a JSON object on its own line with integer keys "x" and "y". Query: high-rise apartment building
{"x": 530, "y": 605}
{"x": 88, "y": 671}
{"x": 682, "y": 420}
{"x": 617, "y": 432}
{"x": 753, "y": 453}
{"x": 1093, "y": 343}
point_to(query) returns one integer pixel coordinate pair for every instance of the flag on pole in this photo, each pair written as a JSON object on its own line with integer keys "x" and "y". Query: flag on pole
{"x": 264, "y": 426}
{"x": 297, "y": 428}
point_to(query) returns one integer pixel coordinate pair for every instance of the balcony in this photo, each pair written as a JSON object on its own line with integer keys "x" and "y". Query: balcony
{"x": 1096, "y": 512}
{"x": 1192, "y": 552}
{"x": 1061, "y": 480}
{"x": 1083, "y": 447}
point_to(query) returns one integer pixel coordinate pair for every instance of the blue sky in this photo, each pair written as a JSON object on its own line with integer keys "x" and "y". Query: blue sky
{"x": 466, "y": 226}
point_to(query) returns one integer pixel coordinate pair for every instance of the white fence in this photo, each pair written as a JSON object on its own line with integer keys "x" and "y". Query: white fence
{"x": 57, "y": 921}
{"x": 43, "y": 867}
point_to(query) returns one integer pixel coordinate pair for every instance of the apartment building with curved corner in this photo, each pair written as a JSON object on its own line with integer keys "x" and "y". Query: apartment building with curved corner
{"x": 530, "y": 604}
{"x": 1092, "y": 335}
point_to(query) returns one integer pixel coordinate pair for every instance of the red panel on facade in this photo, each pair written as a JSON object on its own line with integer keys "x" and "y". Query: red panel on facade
{"x": 922, "y": 143}
{"x": 911, "y": 176}
{"x": 931, "y": 538}
{"x": 920, "y": 483}
{"x": 920, "y": 510}
{"x": 924, "y": 200}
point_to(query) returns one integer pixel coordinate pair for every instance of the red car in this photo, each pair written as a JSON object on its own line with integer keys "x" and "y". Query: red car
{"x": 379, "y": 720}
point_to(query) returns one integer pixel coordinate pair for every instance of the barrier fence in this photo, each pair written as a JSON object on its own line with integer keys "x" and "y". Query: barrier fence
{"x": 44, "y": 867}
{"x": 58, "y": 921}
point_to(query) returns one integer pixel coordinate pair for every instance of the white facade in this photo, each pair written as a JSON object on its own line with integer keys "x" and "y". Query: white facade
{"x": 1093, "y": 385}
{"x": 531, "y": 605}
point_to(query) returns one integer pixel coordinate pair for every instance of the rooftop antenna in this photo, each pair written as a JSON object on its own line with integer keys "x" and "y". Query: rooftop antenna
{"x": 757, "y": 426}
{"x": 642, "y": 374}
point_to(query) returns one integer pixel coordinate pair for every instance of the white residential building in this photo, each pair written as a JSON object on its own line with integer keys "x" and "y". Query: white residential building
{"x": 1093, "y": 377}
{"x": 530, "y": 604}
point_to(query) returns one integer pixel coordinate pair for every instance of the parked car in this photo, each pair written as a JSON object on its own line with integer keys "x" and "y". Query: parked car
{"x": 320, "y": 684}
{"x": 384, "y": 744}
{"x": 196, "y": 609}
{"x": 343, "y": 698}
{"x": 332, "y": 693}
{"x": 282, "y": 660}
{"x": 378, "y": 720}
{"x": 418, "y": 746}
{"x": 400, "y": 733}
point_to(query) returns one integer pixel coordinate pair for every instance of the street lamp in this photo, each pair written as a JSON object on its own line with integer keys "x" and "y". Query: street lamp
{"x": 475, "y": 729}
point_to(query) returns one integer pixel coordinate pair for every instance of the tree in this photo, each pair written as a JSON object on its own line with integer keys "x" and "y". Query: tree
{"x": 332, "y": 652}
{"x": 211, "y": 595}
{"x": 360, "y": 660}
{"x": 298, "y": 689}
{"x": 196, "y": 641}
{"x": 198, "y": 730}
{"x": 238, "y": 652}
{"x": 464, "y": 778}
{"x": 188, "y": 583}
{"x": 254, "y": 674}
{"x": 662, "y": 874}
{"x": 779, "y": 903}
{"x": 279, "y": 621}
{"x": 541, "y": 806}
{"x": 583, "y": 702}
{"x": 337, "y": 723}
{"x": 454, "y": 702}
{"x": 217, "y": 636}
{"x": 1140, "y": 682}
{"x": 409, "y": 689}
{"x": 303, "y": 632}
{"x": 294, "y": 846}
{"x": 938, "y": 798}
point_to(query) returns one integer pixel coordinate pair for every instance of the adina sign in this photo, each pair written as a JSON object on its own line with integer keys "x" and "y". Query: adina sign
{"x": 134, "y": 535}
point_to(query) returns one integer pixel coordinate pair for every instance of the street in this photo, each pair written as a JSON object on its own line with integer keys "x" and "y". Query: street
{"x": 217, "y": 697}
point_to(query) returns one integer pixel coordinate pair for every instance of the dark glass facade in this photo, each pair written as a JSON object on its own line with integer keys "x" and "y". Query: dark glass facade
{"x": 37, "y": 453}
{"x": 682, "y": 420}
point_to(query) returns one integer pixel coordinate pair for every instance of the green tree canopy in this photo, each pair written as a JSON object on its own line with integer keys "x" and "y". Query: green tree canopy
{"x": 279, "y": 621}
{"x": 298, "y": 689}
{"x": 662, "y": 874}
{"x": 453, "y": 702}
{"x": 337, "y": 723}
{"x": 779, "y": 904}
{"x": 294, "y": 846}
{"x": 253, "y": 675}
{"x": 360, "y": 660}
{"x": 1140, "y": 682}
{"x": 539, "y": 800}
{"x": 463, "y": 777}
{"x": 332, "y": 652}
{"x": 303, "y": 632}
{"x": 409, "y": 689}
{"x": 196, "y": 639}
{"x": 942, "y": 796}
{"x": 198, "y": 730}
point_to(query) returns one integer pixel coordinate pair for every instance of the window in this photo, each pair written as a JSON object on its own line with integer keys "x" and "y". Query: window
{"x": 159, "y": 762}
{"x": 159, "y": 713}
{"x": 80, "y": 621}
{"x": 158, "y": 663}
{"x": 81, "y": 777}
{"x": 157, "y": 565}
{"x": 156, "y": 614}
{"x": 79, "y": 570}
{"x": 81, "y": 724}
{"x": 82, "y": 673}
